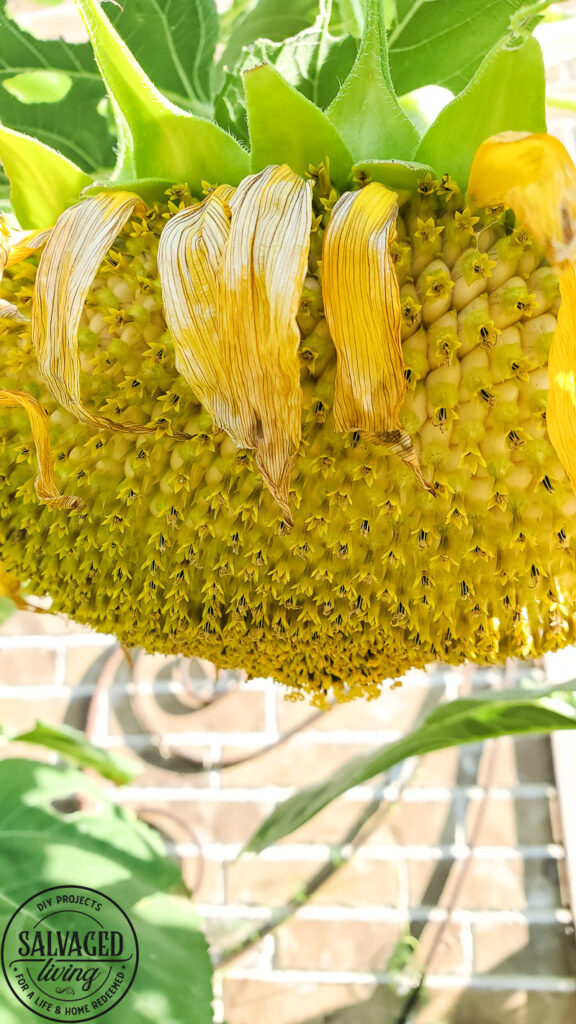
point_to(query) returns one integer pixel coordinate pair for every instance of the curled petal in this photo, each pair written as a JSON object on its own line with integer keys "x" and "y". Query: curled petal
{"x": 11, "y": 588}
{"x": 44, "y": 483}
{"x": 4, "y": 253}
{"x": 362, "y": 305}
{"x": 263, "y": 271}
{"x": 232, "y": 271}
{"x": 189, "y": 262}
{"x": 561, "y": 405}
{"x": 23, "y": 243}
{"x": 536, "y": 177}
{"x": 10, "y": 312}
{"x": 73, "y": 253}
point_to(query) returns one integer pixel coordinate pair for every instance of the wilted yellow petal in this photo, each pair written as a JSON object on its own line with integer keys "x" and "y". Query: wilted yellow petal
{"x": 9, "y": 312}
{"x": 534, "y": 175}
{"x": 11, "y": 588}
{"x": 4, "y": 253}
{"x": 263, "y": 271}
{"x": 561, "y": 405}
{"x": 189, "y": 262}
{"x": 232, "y": 271}
{"x": 73, "y": 253}
{"x": 362, "y": 305}
{"x": 23, "y": 243}
{"x": 44, "y": 483}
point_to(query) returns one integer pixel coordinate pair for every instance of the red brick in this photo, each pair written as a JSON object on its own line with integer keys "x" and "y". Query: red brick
{"x": 256, "y": 881}
{"x": 506, "y": 1007}
{"x": 337, "y": 945}
{"x": 487, "y": 884}
{"x": 21, "y": 715}
{"x": 238, "y": 711}
{"x": 211, "y": 822}
{"x": 256, "y": 1002}
{"x": 294, "y": 763}
{"x": 27, "y": 667}
{"x": 412, "y": 822}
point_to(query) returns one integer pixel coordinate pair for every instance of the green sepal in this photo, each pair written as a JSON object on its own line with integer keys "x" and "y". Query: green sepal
{"x": 157, "y": 138}
{"x": 366, "y": 111}
{"x": 395, "y": 174}
{"x": 43, "y": 183}
{"x": 286, "y": 128}
{"x": 507, "y": 93}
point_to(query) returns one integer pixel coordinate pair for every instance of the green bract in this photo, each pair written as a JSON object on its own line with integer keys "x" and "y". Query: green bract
{"x": 174, "y": 115}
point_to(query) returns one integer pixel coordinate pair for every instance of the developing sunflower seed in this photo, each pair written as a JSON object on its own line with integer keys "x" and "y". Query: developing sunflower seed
{"x": 293, "y": 417}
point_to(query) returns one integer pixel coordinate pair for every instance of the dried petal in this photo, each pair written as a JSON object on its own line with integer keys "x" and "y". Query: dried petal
{"x": 561, "y": 405}
{"x": 44, "y": 483}
{"x": 265, "y": 263}
{"x": 189, "y": 262}
{"x": 74, "y": 251}
{"x": 363, "y": 310}
{"x": 10, "y": 312}
{"x": 536, "y": 177}
{"x": 231, "y": 291}
{"x": 23, "y": 243}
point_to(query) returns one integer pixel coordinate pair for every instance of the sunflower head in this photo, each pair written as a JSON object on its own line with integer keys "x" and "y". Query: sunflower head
{"x": 292, "y": 374}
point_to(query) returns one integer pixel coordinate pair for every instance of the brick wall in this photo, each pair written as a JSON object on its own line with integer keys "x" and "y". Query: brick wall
{"x": 465, "y": 849}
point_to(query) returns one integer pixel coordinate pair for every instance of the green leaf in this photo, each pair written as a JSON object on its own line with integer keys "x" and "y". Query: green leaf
{"x": 506, "y": 93}
{"x": 230, "y": 107}
{"x": 285, "y": 127}
{"x": 461, "y": 721}
{"x": 268, "y": 19}
{"x": 436, "y": 42}
{"x": 72, "y": 126}
{"x": 175, "y": 43}
{"x": 366, "y": 111}
{"x": 157, "y": 138}
{"x": 43, "y": 183}
{"x": 39, "y": 86}
{"x": 76, "y": 748}
{"x": 351, "y": 16}
{"x": 395, "y": 174}
{"x": 115, "y": 853}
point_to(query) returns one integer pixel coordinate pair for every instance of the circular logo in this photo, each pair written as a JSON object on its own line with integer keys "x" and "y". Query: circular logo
{"x": 69, "y": 953}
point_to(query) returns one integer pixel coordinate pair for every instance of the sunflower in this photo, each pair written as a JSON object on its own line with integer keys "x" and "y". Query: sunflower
{"x": 309, "y": 410}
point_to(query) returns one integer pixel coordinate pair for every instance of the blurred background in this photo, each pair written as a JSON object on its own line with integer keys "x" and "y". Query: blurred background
{"x": 462, "y": 862}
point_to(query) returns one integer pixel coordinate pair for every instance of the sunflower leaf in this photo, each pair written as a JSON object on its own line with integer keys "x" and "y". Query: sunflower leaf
{"x": 72, "y": 125}
{"x": 437, "y": 43}
{"x": 107, "y": 849}
{"x": 268, "y": 19}
{"x": 461, "y": 721}
{"x": 173, "y": 42}
{"x": 77, "y": 748}
{"x": 507, "y": 93}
